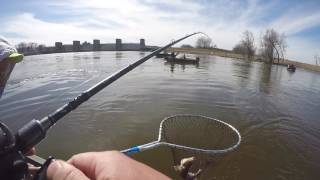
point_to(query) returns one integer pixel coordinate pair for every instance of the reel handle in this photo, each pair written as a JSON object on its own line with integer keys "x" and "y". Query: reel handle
{"x": 42, "y": 172}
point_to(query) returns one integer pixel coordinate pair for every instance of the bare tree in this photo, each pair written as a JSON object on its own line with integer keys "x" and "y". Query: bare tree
{"x": 273, "y": 45}
{"x": 205, "y": 42}
{"x": 317, "y": 59}
{"x": 21, "y": 47}
{"x": 246, "y": 45}
{"x": 30, "y": 47}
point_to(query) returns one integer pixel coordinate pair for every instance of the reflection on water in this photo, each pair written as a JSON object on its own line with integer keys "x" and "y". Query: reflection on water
{"x": 174, "y": 65}
{"x": 142, "y": 53}
{"x": 242, "y": 69}
{"x": 76, "y": 57}
{"x": 119, "y": 55}
{"x": 96, "y": 55}
{"x": 265, "y": 78}
{"x": 276, "y": 112}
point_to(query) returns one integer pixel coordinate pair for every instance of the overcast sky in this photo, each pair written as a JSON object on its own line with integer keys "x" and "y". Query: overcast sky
{"x": 160, "y": 21}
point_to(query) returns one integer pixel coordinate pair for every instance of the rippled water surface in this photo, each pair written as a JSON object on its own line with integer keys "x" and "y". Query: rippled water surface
{"x": 277, "y": 112}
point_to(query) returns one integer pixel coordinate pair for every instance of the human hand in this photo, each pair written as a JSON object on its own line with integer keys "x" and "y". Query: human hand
{"x": 101, "y": 165}
{"x": 31, "y": 152}
{"x": 32, "y": 169}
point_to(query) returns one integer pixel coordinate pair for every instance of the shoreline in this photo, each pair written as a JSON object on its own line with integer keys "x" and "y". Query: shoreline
{"x": 230, "y": 54}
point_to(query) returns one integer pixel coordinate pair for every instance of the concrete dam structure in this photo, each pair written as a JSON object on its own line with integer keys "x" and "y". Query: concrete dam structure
{"x": 76, "y": 46}
{"x": 96, "y": 45}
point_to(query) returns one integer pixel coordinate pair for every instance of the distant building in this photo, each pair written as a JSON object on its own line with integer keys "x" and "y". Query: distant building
{"x": 59, "y": 47}
{"x": 96, "y": 45}
{"x": 76, "y": 46}
{"x": 142, "y": 44}
{"x": 118, "y": 44}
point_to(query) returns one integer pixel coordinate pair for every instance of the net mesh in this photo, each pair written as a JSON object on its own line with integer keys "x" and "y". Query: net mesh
{"x": 198, "y": 132}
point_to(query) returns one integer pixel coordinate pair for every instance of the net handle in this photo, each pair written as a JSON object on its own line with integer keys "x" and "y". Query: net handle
{"x": 141, "y": 148}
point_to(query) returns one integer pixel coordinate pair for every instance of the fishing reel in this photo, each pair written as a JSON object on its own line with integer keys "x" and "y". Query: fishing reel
{"x": 13, "y": 161}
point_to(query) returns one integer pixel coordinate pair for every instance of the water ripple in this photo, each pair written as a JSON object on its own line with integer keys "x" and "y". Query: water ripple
{"x": 276, "y": 112}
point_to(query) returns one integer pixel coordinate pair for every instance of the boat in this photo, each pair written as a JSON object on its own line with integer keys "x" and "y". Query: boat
{"x": 162, "y": 55}
{"x": 291, "y": 68}
{"x": 182, "y": 60}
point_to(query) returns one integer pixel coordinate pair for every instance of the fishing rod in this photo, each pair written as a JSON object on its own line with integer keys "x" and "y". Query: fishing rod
{"x": 13, "y": 162}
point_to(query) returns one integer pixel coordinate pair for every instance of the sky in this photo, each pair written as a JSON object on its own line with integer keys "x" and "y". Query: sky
{"x": 161, "y": 21}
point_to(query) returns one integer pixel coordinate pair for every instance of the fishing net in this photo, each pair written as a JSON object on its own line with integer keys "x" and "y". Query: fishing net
{"x": 197, "y": 140}
{"x": 206, "y": 139}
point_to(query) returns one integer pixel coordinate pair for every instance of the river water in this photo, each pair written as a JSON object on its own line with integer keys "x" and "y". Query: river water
{"x": 276, "y": 112}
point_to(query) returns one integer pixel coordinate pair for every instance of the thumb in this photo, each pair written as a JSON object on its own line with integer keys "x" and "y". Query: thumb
{"x": 62, "y": 170}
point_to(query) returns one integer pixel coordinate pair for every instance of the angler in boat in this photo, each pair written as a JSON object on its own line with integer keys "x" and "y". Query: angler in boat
{"x": 291, "y": 68}
{"x": 162, "y": 55}
{"x": 182, "y": 59}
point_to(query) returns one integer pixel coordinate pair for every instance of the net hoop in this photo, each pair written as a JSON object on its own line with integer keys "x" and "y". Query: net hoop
{"x": 197, "y": 150}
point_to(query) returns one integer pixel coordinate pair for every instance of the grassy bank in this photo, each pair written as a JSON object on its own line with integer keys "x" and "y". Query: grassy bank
{"x": 230, "y": 54}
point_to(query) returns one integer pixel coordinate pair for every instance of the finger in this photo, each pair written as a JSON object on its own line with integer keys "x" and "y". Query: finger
{"x": 99, "y": 165}
{"x": 62, "y": 170}
{"x": 32, "y": 169}
{"x": 86, "y": 162}
{"x": 31, "y": 152}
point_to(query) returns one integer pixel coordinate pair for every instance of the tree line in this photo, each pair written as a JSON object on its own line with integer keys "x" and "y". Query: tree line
{"x": 35, "y": 48}
{"x": 272, "y": 45}
{"x": 30, "y": 47}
